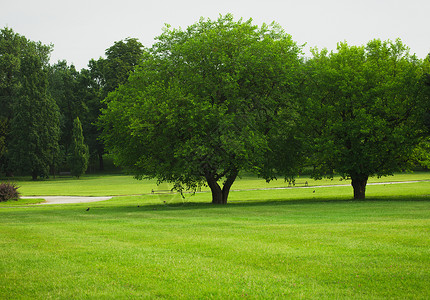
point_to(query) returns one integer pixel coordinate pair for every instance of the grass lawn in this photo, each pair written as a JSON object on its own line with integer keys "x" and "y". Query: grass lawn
{"x": 290, "y": 243}
{"x": 116, "y": 185}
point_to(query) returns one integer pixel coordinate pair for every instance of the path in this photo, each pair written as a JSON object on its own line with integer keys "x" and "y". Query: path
{"x": 67, "y": 199}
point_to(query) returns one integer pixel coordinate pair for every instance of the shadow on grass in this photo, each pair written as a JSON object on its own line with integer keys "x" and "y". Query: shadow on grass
{"x": 248, "y": 204}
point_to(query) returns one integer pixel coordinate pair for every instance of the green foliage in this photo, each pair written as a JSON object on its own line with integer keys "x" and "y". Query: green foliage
{"x": 104, "y": 76}
{"x": 28, "y": 116}
{"x": 79, "y": 151}
{"x": 68, "y": 91}
{"x": 422, "y": 153}
{"x": 121, "y": 59}
{"x": 35, "y": 125}
{"x": 32, "y": 138}
{"x": 202, "y": 105}
{"x": 3, "y": 134}
{"x": 426, "y": 88}
{"x": 363, "y": 108}
{"x": 10, "y": 47}
{"x": 8, "y": 191}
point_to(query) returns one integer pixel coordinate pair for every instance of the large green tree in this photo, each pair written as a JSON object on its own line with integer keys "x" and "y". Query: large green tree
{"x": 202, "y": 106}
{"x": 10, "y": 48}
{"x": 364, "y": 109}
{"x": 28, "y": 116}
{"x": 35, "y": 123}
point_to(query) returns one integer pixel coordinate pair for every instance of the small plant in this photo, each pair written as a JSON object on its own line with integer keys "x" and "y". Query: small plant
{"x": 8, "y": 191}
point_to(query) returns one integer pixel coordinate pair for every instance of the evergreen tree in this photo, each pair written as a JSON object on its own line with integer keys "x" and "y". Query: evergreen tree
{"x": 10, "y": 48}
{"x": 80, "y": 155}
{"x": 29, "y": 117}
{"x": 35, "y": 123}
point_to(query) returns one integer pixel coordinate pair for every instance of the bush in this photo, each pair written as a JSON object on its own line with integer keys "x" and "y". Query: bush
{"x": 8, "y": 191}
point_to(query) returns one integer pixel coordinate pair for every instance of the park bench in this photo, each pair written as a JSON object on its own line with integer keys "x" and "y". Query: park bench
{"x": 294, "y": 183}
{"x": 67, "y": 173}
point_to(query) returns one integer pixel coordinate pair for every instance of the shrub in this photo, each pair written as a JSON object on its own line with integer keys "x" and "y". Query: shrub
{"x": 8, "y": 191}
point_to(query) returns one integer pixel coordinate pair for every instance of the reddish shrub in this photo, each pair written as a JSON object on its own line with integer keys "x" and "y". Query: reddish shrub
{"x": 8, "y": 191}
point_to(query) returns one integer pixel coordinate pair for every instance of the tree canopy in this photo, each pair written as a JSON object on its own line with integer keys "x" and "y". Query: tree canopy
{"x": 102, "y": 77}
{"x": 202, "y": 105}
{"x": 216, "y": 98}
{"x": 364, "y": 109}
{"x": 67, "y": 89}
{"x": 29, "y": 116}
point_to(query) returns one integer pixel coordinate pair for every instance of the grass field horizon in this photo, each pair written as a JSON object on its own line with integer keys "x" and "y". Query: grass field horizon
{"x": 265, "y": 244}
{"x": 120, "y": 184}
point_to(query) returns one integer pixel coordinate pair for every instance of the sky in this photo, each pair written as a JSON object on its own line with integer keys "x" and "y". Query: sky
{"x": 83, "y": 29}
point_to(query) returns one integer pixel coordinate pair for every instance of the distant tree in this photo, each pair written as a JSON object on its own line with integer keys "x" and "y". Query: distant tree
{"x": 10, "y": 55}
{"x": 364, "y": 108}
{"x": 68, "y": 93}
{"x": 3, "y": 133}
{"x": 427, "y": 91}
{"x": 201, "y": 107}
{"x": 79, "y": 151}
{"x": 28, "y": 116}
{"x": 102, "y": 77}
{"x": 35, "y": 123}
{"x": 121, "y": 59}
{"x": 422, "y": 152}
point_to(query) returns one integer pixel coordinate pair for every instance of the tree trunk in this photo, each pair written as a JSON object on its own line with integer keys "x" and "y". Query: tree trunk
{"x": 227, "y": 185}
{"x": 217, "y": 195}
{"x": 220, "y": 196}
{"x": 359, "y": 185}
{"x": 101, "y": 163}
{"x": 34, "y": 175}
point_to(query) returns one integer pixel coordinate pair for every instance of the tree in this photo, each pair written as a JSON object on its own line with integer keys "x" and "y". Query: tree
{"x": 64, "y": 86}
{"x": 79, "y": 151}
{"x": 427, "y": 92}
{"x": 422, "y": 152}
{"x": 202, "y": 105}
{"x": 121, "y": 59}
{"x": 363, "y": 108}
{"x": 35, "y": 123}
{"x": 10, "y": 48}
{"x": 3, "y": 134}
{"x": 28, "y": 116}
{"x": 104, "y": 76}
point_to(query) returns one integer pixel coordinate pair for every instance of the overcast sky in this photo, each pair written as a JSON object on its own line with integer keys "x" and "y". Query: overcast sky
{"x": 84, "y": 29}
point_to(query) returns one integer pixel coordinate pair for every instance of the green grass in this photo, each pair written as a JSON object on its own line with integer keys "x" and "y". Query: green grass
{"x": 21, "y": 202}
{"x": 116, "y": 185}
{"x": 266, "y": 244}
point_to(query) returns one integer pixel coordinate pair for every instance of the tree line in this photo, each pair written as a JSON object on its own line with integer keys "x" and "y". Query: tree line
{"x": 221, "y": 97}
{"x": 48, "y": 113}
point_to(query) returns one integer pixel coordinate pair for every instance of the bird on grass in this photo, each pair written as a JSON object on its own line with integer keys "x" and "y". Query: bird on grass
{"x": 87, "y": 209}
